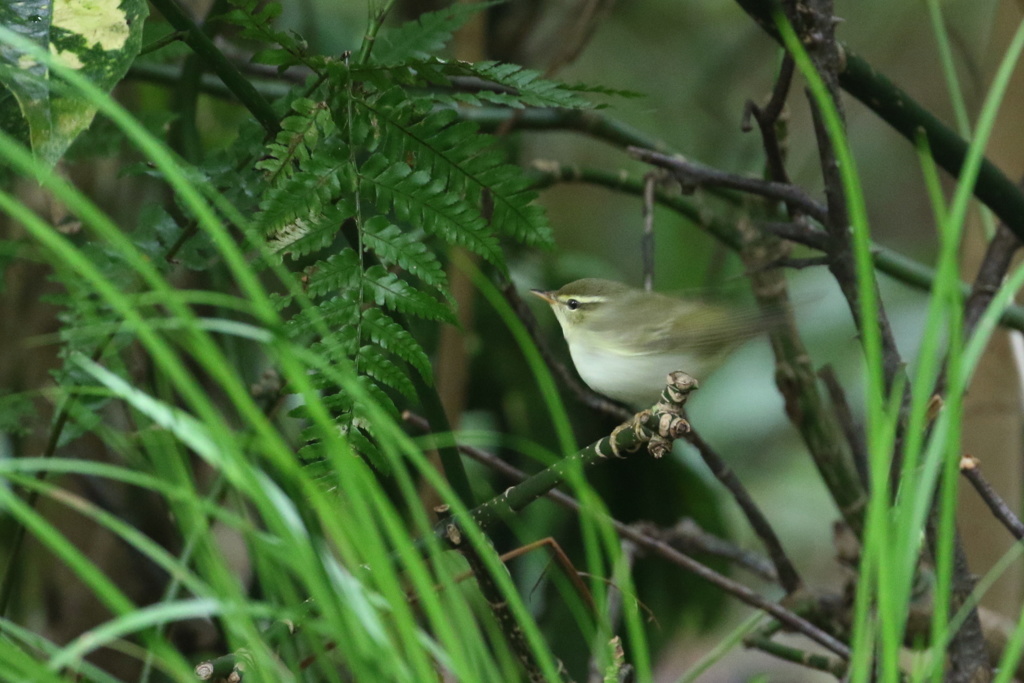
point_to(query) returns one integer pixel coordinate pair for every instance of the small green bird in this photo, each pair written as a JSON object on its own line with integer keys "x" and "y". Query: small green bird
{"x": 624, "y": 341}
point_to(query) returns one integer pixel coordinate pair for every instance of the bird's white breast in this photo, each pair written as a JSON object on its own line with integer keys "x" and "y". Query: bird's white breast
{"x": 634, "y": 379}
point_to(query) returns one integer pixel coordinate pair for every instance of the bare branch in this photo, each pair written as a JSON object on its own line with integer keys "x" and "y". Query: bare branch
{"x": 693, "y": 174}
{"x": 970, "y": 467}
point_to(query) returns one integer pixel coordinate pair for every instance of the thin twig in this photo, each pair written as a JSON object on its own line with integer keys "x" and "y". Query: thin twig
{"x": 966, "y": 648}
{"x": 798, "y": 263}
{"x": 788, "y": 576}
{"x": 741, "y": 592}
{"x": 690, "y": 173}
{"x": 968, "y": 657}
{"x": 840, "y": 252}
{"x": 688, "y": 537}
{"x": 798, "y": 384}
{"x": 819, "y": 427}
{"x": 772, "y": 112}
{"x": 853, "y": 431}
{"x": 872, "y": 88}
{"x": 994, "y": 266}
{"x": 811, "y": 660}
{"x": 796, "y": 231}
{"x": 647, "y": 242}
{"x": 162, "y": 42}
{"x": 970, "y": 467}
{"x": 627, "y": 558}
{"x": 769, "y": 121}
{"x": 183, "y": 134}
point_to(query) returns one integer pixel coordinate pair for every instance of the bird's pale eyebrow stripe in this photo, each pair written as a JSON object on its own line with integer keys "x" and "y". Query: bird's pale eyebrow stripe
{"x": 584, "y": 299}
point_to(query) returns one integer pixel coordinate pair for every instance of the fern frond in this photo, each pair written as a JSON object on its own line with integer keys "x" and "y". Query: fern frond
{"x": 303, "y": 195}
{"x": 393, "y": 246}
{"x": 339, "y": 273}
{"x": 342, "y": 343}
{"x": 388, "y": 290}
{"x": 348, "y": 425}
{"x": 335, "y": 313}
{"x": 351, "y": 424}
{"x": 256, "y": 19}
{"x": 519, "y": 87}
{"x": 368, "y": 448}
{"x": 390, "y": 336}
{"x": 299, "y": 137}
{"x": 604, "y": 90}
{"x": 313, "y": 233}
{"x": 342, "y": 272}
{"x": 429, "y": 34}
{"x": 463, "y": 158}
{"x": 423, "y": 202}
{"x": 371, "y": 361}
{"x": 309, "y": 178}
{"x": 386, "y": 152}
{"x": 378, "y": 396}
{"x": 477, "y": 83}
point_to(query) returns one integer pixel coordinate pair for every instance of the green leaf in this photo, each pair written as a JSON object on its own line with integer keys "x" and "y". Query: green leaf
{"x": 24, "y": 77}
{"x": 477, "y": 83}
{"x": 604, "y": 90}
{"x": 368, "y": 449}
{"x": 187, "y": 428}
{"x": 351, "y": 424}
{"x": 343, "y": 272}
{"x": 310, "y": 180}
{"x": 98, "y": 38}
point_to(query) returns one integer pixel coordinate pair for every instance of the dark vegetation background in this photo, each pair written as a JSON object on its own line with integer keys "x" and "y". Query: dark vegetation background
{"x": 695, "y": 64}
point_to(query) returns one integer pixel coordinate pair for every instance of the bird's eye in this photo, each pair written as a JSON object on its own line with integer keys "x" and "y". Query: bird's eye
{"x": 572, "y": 304}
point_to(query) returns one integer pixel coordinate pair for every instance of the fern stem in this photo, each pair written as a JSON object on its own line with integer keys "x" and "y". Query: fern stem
{"x": 360, "y": 252}
{"x": 376, "y": 21}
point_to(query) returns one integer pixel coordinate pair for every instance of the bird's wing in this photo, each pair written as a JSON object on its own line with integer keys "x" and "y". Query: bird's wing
{"x": 688, "y": 327}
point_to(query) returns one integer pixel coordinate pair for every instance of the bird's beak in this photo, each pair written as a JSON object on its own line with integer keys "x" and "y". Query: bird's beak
{"x": 547, "y": 296}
